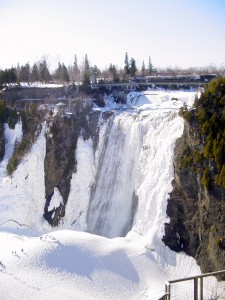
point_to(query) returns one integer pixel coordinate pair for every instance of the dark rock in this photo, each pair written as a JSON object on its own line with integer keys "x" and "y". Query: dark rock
{"x": 2, "y": 142}
{"x": 60, "y": 160}
{"x": 197, "y": 215}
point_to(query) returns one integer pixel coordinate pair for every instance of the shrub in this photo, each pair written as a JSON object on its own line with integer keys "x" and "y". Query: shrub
{"x": 220, "y": 178}
{"x": 197, "y": 157}
{"x": 30, "y": 122}
{"x": 205, "y": 179}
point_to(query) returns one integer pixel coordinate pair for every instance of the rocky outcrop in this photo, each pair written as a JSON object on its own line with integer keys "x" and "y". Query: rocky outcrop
{"x": 19, "y": 93}
{"x": 60, "y": 160}
{"x": 197, "y": 213}
{"x": 2, "y": 142}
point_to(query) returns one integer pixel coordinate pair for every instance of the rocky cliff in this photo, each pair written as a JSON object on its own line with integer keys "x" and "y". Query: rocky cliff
{"x": 196, "y": 205}
{"x": 18, "y": 93}
{"x": 2, "y": 142}
{"x": 60, "y": 160}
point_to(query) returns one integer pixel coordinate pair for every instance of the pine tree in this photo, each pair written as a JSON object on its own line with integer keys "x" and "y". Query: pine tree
{"x": 86, "y": 74}
{"x": 86, "y": 64}
{"x": 150, "y": 66}
{"x": 127, "y": 66}
{"x": 114, "y": 73}
{"x": 133, "y": 68}
{"x": 44, "y": 73}
{"x": 64, "y": 74}
{"x": 34, "y": 73}
{"x": 24, "y": 73}
{"x": 76, "y": 71}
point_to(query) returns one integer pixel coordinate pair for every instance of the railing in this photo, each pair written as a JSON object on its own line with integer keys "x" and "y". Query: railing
{"x": 199, "y": 287}
{"x": 156, "y": 83}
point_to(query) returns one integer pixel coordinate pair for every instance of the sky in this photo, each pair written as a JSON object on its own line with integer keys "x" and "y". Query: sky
{"x": 174, "y": 33}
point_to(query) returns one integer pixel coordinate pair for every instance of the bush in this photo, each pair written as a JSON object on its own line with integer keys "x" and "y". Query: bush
{"x": 197, "y": 157}
{"x": 220, "y": 178}
{"x": 205, "y": 179}
{"x": 30, "y": 123}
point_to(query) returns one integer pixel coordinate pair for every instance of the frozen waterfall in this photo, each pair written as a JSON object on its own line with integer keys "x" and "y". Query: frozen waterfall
{"x": 113, "y": 200}
{"x": 135, "y": 170}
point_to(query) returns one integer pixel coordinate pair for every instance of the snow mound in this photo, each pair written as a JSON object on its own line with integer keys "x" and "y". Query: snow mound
{"x": 137, "y": 99}
{"x": 161, "y": 99}
{"x": 67, "y": 264}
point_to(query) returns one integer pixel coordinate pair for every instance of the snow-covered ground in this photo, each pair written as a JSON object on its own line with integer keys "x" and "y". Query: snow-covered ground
{"x": 39, "y": 85}
{"x": 134, "y": 157}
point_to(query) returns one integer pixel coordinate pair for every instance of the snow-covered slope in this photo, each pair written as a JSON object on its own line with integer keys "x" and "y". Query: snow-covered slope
{"x": 73, "y": 265}
{"x": 121, "y": 188}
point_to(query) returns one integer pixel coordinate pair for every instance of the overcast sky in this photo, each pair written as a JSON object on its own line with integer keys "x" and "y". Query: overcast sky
{"x": 172, "y": 32}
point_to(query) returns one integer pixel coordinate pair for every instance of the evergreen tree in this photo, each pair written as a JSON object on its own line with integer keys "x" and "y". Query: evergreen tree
{"x": 86, "y": 74}
{"x": 114, "y": 73}
{"x": 44, "y": 73}
{"x": 27, "y": 72}
{"x": 127, "y": 66}
{"x": 64, "y": 74}
{"x": 86, "y": 64}
{"x": 86, "y": 80}
{"x": 1, "y": 77}
{"x": 133, "y": 68}
{"x": 34, "y": 73}
{"x": 8, "y": 76}
{"x": 76, "y": 71}
{"x": 150, "y": 66}
{"x": 24, "y": 73}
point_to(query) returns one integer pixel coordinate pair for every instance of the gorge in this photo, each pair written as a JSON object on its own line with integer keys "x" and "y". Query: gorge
{"x": 110, "y": 172}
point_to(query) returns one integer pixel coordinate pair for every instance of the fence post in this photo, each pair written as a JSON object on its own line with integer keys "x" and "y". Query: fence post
{"x": 167, "y": 290}
{"x": 196, "y": 289}
{"x": 201, "y": 288}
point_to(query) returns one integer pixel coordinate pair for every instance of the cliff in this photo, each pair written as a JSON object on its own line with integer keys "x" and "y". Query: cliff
{"x": 60, "y": 160}
{"x": 18, "y": 93}
{"x": 2, "y": 142}
{"x": 196, "y": 205}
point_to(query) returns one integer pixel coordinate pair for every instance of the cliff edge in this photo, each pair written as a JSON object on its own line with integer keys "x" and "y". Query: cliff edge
{"x": 196, "y": 206}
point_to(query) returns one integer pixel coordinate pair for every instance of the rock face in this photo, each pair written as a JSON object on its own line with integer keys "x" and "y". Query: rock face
{"x": 60, "y": 160}
{"x": 197, "y": 214}
{"x": 18, "y": 93}
{"x": 2, "y": 142}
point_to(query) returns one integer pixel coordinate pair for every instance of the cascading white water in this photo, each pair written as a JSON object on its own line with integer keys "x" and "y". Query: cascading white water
{"x": 135, "y": 171}
{"x": 112, "y": 201}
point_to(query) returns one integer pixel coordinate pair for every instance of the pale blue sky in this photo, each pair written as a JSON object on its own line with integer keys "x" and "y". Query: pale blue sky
{"x": 173, "y": 32}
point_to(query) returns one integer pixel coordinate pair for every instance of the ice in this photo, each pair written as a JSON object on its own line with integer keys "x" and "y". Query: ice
{"x": 120, "y": 190}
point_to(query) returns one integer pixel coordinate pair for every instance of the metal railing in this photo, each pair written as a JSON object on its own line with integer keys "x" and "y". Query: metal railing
{"x": 194, "y": 290}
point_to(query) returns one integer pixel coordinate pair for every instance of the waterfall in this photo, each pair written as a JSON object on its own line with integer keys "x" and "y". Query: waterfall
{"x": 113, "y": 196}
{"x": 134, "y": 173}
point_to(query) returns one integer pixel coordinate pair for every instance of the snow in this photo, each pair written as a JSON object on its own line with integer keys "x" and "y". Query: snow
{"x": 136, "y": 145}
{"x": 23, "y": 195}
{"x": 41, "y": 85}
{"x": 11, "y": 136}
{"x": 56, "y": 200}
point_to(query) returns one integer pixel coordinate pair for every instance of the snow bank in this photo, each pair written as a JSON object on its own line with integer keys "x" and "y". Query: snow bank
{"x": 73, "y": 265}
{"x": 23, "y": 195}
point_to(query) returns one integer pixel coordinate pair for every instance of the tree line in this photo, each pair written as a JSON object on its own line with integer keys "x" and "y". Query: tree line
{"x": 85, "y": 73}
